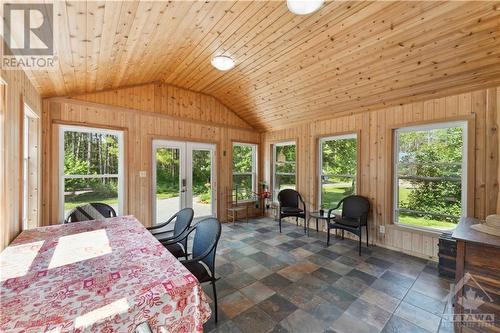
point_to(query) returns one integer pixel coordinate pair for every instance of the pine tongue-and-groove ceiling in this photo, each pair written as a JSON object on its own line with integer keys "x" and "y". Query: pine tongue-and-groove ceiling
{"x": 349, "y": 56}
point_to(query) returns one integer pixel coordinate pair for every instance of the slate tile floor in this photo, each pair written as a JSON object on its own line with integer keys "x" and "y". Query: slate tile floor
{"x": 290, "y": 282}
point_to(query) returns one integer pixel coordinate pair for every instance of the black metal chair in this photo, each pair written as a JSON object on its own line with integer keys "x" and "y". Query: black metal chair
{"x": 355, "y": 209}
{"x": 174, "y": 239}
{"x": 90, "y": 211}
{"x": 289, "y": 206}
{"x": 202, "y": 264}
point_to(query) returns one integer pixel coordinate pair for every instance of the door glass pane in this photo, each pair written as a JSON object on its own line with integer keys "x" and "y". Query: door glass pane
{"x": 202, "y": 183}
{"x": 168, "y": 194}
{"x": 80, "y": 191}
{"x": 338, "y": 170}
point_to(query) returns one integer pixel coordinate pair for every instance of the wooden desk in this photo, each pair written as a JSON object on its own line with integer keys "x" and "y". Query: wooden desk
{"x": 478, "y": 271}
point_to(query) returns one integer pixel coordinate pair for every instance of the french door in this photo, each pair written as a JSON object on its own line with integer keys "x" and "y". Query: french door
{"x": 183, "y": 176}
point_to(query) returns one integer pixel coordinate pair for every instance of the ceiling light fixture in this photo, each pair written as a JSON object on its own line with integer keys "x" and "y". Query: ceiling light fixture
{"x": 304, "y": 7}
{"x": 223, "y": 63}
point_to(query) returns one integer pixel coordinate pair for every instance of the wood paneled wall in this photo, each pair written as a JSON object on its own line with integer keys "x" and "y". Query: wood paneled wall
{"x": 168, "y": 100}
{"x": 480, "y": 108}
{"x": 169, "y": 118}
{"x": 18, "y": 90}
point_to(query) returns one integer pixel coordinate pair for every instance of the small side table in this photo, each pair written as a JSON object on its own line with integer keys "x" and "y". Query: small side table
{"x": 316, "y": 215}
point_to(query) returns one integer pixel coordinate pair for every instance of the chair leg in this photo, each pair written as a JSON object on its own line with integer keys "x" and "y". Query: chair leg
{"x": 279, "y": 222}
{"x": 297, "y": 221}
{"x": 317, "y": 226}
{"x": 366, "y": 235}
{"x": 359, "y": 242}
{"x": 342, "y": 234}
{"x": 328, "y": 235}
{"x": 215, "y": 300}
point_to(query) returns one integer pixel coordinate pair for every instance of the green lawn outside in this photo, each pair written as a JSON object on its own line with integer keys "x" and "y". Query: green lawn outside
{"x": 73, "y": 204}
{"x": 425, "y": 222}
{"x": 421, "y": 221}
{"x": 332, "y": 194}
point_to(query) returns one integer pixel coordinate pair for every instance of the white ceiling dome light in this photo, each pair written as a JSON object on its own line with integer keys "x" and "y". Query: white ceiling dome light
{"x": 304, "y": 7}
{"x": 223, "y": 63}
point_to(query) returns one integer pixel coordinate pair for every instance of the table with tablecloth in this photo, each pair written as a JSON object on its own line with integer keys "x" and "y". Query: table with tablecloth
{"x": 96, "y": 276}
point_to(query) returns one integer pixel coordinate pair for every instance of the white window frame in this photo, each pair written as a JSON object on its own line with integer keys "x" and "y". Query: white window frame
{"x": 320, "y": 160}
{"x": 253, "y": 173}
{"x": 120, "y": 176}
{"x": 281, "y": 144}
{"x": 395, "y": 191}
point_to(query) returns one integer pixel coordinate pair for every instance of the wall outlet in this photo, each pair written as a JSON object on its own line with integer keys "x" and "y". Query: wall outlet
{"x": 142, "y": 174}
{"x": 382, "y": 229}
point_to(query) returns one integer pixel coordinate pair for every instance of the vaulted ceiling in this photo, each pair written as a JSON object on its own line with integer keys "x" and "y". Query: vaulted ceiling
{"x": 349, "y": 56}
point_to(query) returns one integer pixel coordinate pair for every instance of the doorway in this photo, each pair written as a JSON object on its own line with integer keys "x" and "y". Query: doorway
{"x": 183, "y": 176}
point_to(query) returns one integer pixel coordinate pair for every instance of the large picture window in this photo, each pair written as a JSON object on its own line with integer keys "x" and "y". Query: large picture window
{"x": 91, "y": 164}
{"x": 244, "y": 170}
{"x": 284, "y": 167}
{"x": 338, "y": 163}
{"x": 430, "y": 175}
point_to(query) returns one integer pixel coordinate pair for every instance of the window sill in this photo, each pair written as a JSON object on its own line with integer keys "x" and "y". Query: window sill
{"x": 423, "y": 231}
{"x": 245, "y": 201}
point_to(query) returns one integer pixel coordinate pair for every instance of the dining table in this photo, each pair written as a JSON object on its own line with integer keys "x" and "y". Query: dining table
{"x": 108, "y": 275}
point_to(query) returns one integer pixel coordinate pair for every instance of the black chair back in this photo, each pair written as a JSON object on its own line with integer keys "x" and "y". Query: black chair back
{"x": 205, "y": 241}
{"x": 78, "y": 214}
{"x": 354, "y": 207}
{"x": 288, "y": 198}
{"x": 183, "y": 219}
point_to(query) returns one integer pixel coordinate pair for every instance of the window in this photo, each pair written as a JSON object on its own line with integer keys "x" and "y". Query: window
{"x": 338, "y": 164}
{"x": 91, "y": 164}
{"x": 244, "y": 170}
{"x": 430, "y": 175}
{"x": 284, "y": 167}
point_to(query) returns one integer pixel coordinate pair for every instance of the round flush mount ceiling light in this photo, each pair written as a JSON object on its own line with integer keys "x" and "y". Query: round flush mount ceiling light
{"x": 304, "y": 7}
{"x": 223, "y": 63}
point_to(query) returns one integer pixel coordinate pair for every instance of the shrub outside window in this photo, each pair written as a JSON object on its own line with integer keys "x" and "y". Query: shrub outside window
{"x": 430, "y": 175}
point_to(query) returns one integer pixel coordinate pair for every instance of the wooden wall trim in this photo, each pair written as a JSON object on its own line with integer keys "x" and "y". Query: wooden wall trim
{"x": 65, "y": 100}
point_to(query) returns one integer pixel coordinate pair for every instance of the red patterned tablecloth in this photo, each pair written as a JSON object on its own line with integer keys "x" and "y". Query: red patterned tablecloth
{"x": 96, "y": 276}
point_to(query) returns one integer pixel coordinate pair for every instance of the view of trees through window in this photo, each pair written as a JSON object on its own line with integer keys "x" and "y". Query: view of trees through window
{"x": 91, "y": 164}
{"x": 429, "y": 177}
{"x": 243, "y": 171}
{"x": 338, "y": 170}
{"x": 284, "y": 167}
{"x": 168, "y": 173}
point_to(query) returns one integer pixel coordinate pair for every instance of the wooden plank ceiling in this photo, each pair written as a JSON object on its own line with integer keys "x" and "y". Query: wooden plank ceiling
{"x": 346, "y": 57}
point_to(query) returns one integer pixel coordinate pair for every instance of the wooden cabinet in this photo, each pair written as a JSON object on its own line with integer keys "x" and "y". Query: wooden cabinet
{"x": 477, "y": 289}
